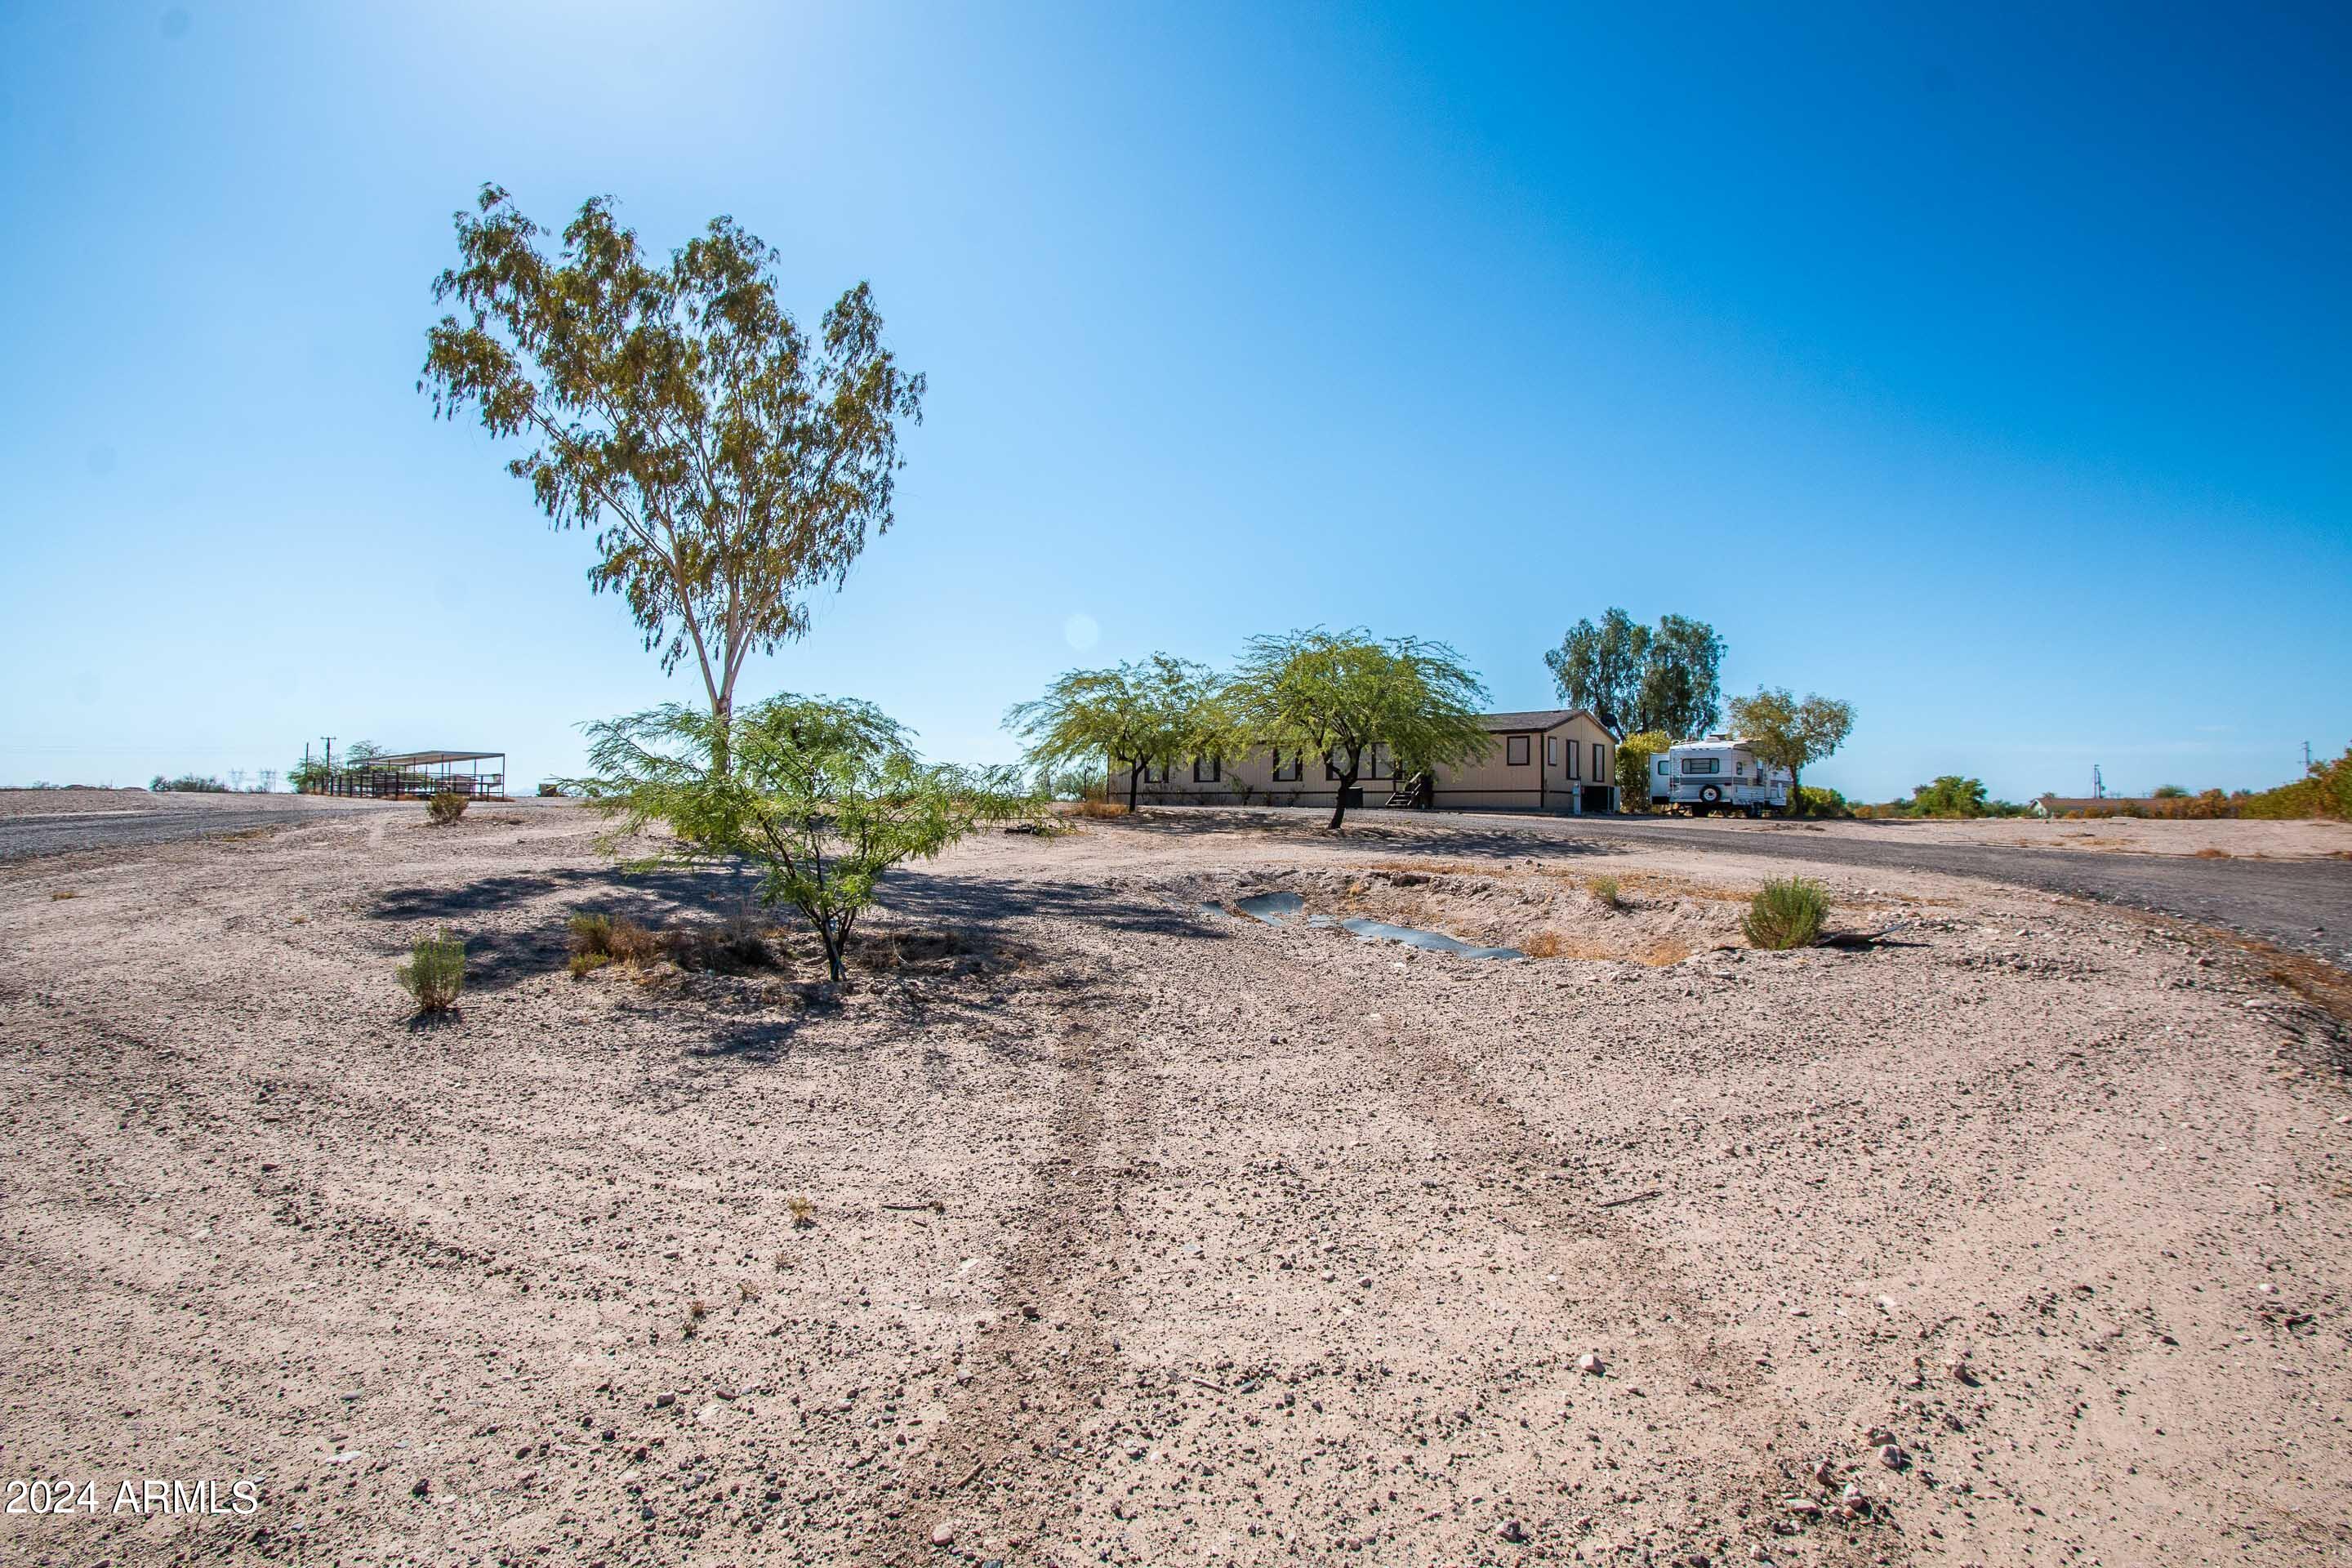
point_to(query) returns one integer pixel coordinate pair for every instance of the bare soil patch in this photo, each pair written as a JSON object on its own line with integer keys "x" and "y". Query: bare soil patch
{"x": 1088, "y": 1226}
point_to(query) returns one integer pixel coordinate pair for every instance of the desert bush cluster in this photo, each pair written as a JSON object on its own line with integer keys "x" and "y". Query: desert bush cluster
{"x": 444, "y": 806}
{"x": 435, "y": 972}
{"x": 1786, "y": 912}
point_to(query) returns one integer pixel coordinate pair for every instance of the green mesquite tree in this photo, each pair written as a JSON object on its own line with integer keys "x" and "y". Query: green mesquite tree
{"x": 1335, "y": 694}
{"x": 824, "y": 795}
{"x": 1137, "y": 715}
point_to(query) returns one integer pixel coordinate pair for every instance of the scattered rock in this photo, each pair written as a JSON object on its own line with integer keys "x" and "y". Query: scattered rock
{"x": 664, "y": 1401}
{"x": 1512, "y": 1530}
{"x": 1591, "y": 1364}
{"x": 1892, "y": 1456}
{"x": 943, "y": 1533}
{"x": 422, "y": 1489}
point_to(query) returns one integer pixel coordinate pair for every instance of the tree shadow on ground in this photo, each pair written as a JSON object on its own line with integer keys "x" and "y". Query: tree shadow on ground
{"x": 498, "y": 957}
{"x": 508, "y": 938}
{"x": 1431, "y": 833}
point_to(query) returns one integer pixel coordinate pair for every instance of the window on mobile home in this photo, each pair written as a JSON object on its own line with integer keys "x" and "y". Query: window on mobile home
{"x": 1702, "y": 764}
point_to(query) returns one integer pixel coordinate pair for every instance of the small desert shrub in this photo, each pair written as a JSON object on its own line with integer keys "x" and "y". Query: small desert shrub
{"x": 444, "y": 807}
{"x": 57, "y": 893}
{"x": 584, "y": 965}
{"x": 1100, "y": 808}
{"x": 1787, "y": 913}
{"x": 614, "y": 939}
{"x": 435, "y": 972}
{"x": 550, "y": 791}
{"x": 804, "y": 1209}
{"x": 1543, "y": 944}
{"x": 1604, "y": 887}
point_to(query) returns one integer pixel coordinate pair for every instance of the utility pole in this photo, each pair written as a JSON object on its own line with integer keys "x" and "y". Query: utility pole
{"x": 327, "y": 773}
{"x": 2098, "y": 785}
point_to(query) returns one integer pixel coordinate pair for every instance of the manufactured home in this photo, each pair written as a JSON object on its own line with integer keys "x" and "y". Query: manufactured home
{"x": 1556, "y": 760}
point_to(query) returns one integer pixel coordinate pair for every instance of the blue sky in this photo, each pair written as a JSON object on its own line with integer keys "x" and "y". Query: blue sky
{"x": 1984, "y": 368}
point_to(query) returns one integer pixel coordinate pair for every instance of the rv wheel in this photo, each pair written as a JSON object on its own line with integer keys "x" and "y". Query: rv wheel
{"x": 1710, "y": 794}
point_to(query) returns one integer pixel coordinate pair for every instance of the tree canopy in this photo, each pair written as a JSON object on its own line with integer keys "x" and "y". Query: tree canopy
{"x": 1786, "y": 733}
{"x": 1335, "y": 694}
{"x": 1642, "y": 678}
{"x": 1634, "y": 754}
{"x": 823, "y": 795}
{"x": 726, "y": 464}
{"x": 1138, "y": 715}
{"x": 1950, "y": 795}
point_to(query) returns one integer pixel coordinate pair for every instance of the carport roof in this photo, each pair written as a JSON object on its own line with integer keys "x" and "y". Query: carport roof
{"x": 425, "y": 759}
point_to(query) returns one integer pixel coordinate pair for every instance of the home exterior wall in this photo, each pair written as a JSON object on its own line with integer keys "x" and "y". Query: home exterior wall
{"x": 1493, "y": 783}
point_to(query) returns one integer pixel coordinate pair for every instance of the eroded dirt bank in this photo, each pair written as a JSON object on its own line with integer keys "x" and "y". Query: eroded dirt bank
{"x": 1145, "y": 1234}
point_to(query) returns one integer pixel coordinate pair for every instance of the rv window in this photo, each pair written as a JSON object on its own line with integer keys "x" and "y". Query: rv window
{"x": 1665, "y": 767}
{"x": 1514, "y": 750}
{"x": 1702, "y": 764}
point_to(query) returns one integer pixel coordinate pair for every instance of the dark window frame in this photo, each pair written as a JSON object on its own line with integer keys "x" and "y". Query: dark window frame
{"x": 1551, "y": 751}
{"x": 1702, "y": 767}
{"x": 1522, "y": 745}
{"x": 1572, "y": 755}
{"x": 1293, "y": 773}
{"x": 1216, "y": 766}
{"x": 1599, "y": 762}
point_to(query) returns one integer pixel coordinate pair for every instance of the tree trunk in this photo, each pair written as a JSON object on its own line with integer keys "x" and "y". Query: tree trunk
{"x": 1133, "y": 773}
{"x": 833, "y": 968}
{"x": 722, "y": 712}
{"x": 1796, "y": 793}
{"x": 1347, "y": 783}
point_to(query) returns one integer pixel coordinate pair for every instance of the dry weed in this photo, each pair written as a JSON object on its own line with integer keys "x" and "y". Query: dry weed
{"x": 57, "y": 893}
{"x": 616, "y": 939}
{"x": 1542, "y": 944}
{"x": 804, "y": 1209}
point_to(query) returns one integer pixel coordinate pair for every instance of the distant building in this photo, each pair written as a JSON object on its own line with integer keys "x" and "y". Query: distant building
{"x": 1557, "y": 759}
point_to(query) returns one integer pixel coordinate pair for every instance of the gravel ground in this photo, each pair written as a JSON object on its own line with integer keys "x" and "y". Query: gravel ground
{"x": 1139, "y": 1232}
{"x": 2285, "y": 883}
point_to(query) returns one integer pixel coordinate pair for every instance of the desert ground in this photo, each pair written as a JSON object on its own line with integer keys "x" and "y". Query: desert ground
{"x": 1097, "y": 1221}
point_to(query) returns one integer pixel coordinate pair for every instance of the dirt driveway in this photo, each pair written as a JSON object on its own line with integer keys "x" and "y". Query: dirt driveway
{"x": 1143, "y": 1232}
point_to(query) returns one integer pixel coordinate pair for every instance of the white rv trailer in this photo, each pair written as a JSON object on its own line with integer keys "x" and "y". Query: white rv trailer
{"x": 1719, "y": 773}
